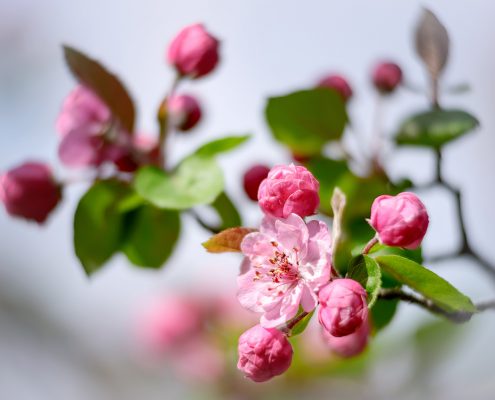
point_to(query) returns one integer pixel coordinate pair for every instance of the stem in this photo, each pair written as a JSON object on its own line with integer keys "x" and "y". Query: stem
{"x": 163, "y": 120}
{"x": 293, "y": 322}
{"x": 370, "y": 245}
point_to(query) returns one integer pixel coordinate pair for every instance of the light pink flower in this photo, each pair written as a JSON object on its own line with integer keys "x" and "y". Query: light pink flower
{"x": 194, "y": 51}
{"x": 289, "y": 189}
{"x": 263, "y": 353}
{"x": 349, "y": 345}
{"x": 29, "y": 191}
{"x": 343, "y": 306}
{"x": 400, "y": 220}
{"x": 289, "y": 262}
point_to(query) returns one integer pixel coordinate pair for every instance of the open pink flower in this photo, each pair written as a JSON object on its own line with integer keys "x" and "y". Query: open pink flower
{"x": 289, "y": 262}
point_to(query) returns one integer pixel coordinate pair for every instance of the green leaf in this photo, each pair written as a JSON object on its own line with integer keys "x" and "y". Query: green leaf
{"x": 366, "y": 271}
{"x": 106, "y": 85}
{"x": 382, "y": 313}
{"x": 98, "y": 224}
{"x": 435, "y": 128}
{"x": 301, "y": 325}
{"x": 222, "y": 145}
{"x": 228, "y": 240}
{"x": 152, "y": 235}
{"x": 306, "y": 120}
{"x": 427, "y": 283}
{"x": 327, "y": 172}
{"x": 227, "y": 212}
{"x": 383, "y": 250}
{"x": 197, "y": 180}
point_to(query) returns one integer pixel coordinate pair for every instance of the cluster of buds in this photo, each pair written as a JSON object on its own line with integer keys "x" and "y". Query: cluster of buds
{"x": 90, "y": 137}
{"x": 287, "y": 268}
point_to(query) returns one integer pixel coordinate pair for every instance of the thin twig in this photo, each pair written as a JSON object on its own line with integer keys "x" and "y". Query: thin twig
{"x": 370, "y": 245}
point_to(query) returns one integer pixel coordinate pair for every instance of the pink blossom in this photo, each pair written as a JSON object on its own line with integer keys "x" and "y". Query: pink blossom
{"x": 289, "y": 262}
{"x": 387, "y": 76}
{"x": 30, "y": 191}
{"x": 194, "y": 51}
{"x": 349, "y": 345}
{"x": 184, "y": 111}
{"x": 339, "y": 84}
{"x": 400, "y": 220}
{"x": 289, "y": 189}
{"x": 343, "y": 306}
{"x": 168, "y": 322}
{"x": 263, "y": 353}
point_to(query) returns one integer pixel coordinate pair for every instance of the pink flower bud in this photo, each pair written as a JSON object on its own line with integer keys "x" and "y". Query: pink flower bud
{"x": 263, "y": 353}
{"x": 128, "y": 157}
{"x": 289, "y": 189}
{"x": 253, "y": 178}
{"x": 350, "y": 345}
{"x": 338, "y": 83}
{"x": 82, "y": 111}
{"x": 387, "y": 76}
{"x": 29, "y": 191}
{"x": 343, "y": 307}
{"x": 168, "y": 322}
{"x": 400, "y": 220}
{"x": 184, "y": 112}
{"x": 193, "y": 52}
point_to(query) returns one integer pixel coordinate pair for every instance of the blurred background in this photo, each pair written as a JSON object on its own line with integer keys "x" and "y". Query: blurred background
{"x": 64, "y": 336}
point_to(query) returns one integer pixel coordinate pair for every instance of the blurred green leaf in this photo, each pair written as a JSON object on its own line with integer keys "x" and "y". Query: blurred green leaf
{"x": 107, "y": 86}
{"x": 197, "y": 180}
{"x": 228, "y": 240}
{"x": 435, "y": 128}
{"x": 383, "y": 250}
{"x": 426, "y": 282}
{"x": 382, "y": 313}
{"x": 98, "y": 224}
{"x": 227, "y": 212}
{"x": 366, "y": 271}
{"x": 306, "y": 120}
{"x": 152, "y": 235}
{"x": 222, "y": 145}
{"x": 302, "y": 325}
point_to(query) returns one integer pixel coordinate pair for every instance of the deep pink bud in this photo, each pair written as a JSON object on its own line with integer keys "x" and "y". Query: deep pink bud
{"x": 184, "y": 112}
{"x": 387, "y": 76}
{"x": 263, "y": 353}
{"x": 289, "y": 189}
{"x": 30, "y": 191}
{"x": 343, "y": 307}
{"x": 400, "y": 220}
{"x": 168, "y": 322}
{"x": 253, "y": 178}
{"x": 193, "y": 52}
{"x": 338, "y": 83}
{"x": 350, "y": 345}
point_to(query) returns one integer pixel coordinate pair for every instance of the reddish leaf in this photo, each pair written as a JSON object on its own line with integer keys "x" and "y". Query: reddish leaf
{"x": 106, "y": 85}
{"x": 228, "y": 240}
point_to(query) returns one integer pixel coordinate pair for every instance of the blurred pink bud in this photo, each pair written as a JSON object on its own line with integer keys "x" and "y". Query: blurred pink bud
{"x": 289, "y": 189}
{"x": 253, "y": 178}
{"x": 82, "y": 111}
{"x": 184, "y": 112}
{"x": 194, "y": 51}
{"x": 349, "y": 345}
{"x": 387, "y": 76}
{"x": 400, "y": 220}
{"x": 29, "y": 191}
{"x": 128, "y": 157}
{"x": 148, "y": 146}
{"x": 168, "y": 322}
{"x": 338, "y": 83}
{"x": 78, "y": 149}
{"x": 343, "y": 307}
{"x": 263, "y": 353}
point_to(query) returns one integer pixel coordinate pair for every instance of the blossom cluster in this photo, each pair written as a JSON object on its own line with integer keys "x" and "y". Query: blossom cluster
{"x": 287, "y": 270}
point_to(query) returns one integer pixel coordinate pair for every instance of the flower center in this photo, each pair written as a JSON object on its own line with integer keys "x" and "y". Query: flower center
{"x": 284, "y": 270}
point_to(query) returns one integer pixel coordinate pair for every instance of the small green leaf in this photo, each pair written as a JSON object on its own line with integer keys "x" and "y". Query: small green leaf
{"x": 228, "y": 240}
{"x": 301, "y": 325}
{"x": 435, "y": 128}
{"x": 380, "y": 249}
{"x": 106, "y": 85}
{"x": 366, "y": 271}
{"x": 222, "y": 145}
{"x": 226, "y": 211}
{"x": 382, "y": 313}
{"x": 427, "y": 283}
{"x": 197, "y": 180}
{"x": 306, "y": 120}
{"x": 152, "y": 235}
{"x": 98, "y": 224}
